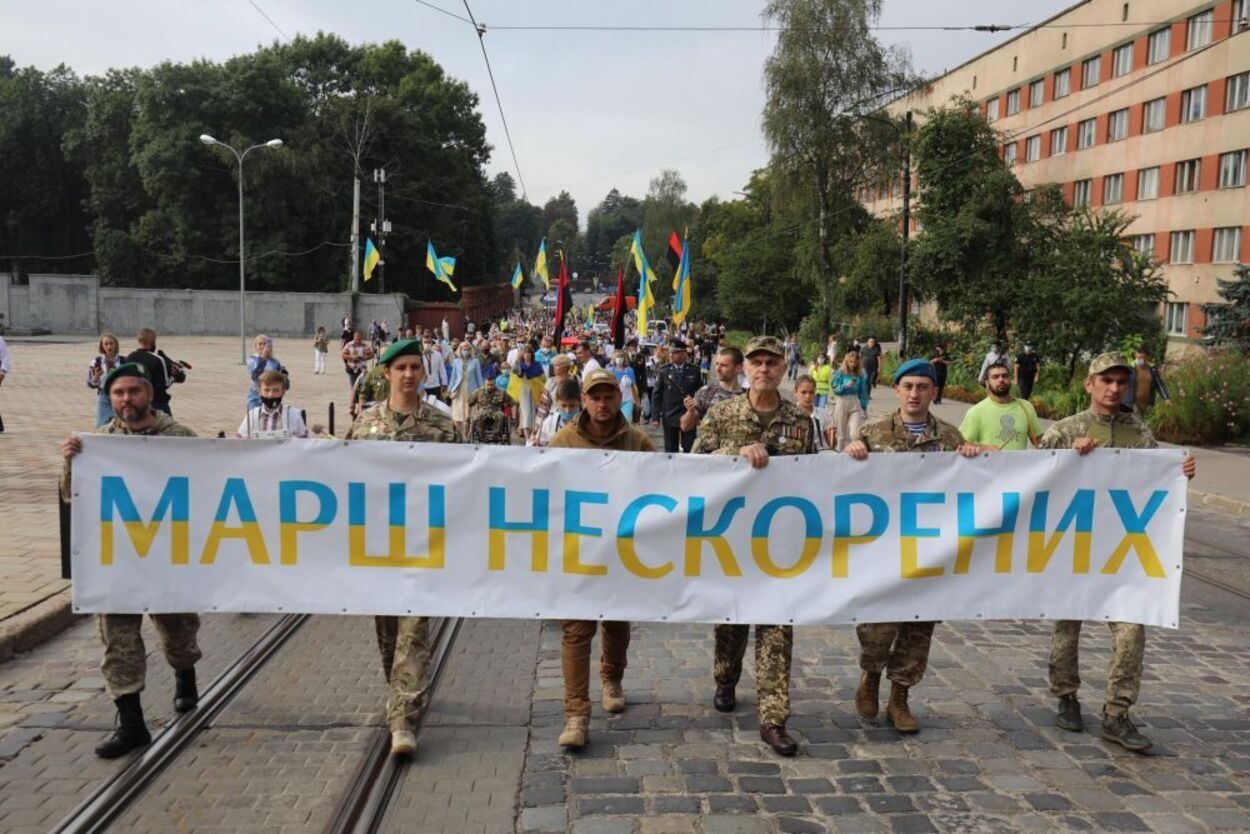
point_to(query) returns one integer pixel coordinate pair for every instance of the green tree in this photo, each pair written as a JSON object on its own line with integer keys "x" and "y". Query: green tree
{"x": 1228, "y": 323}
{"x": 614, "y": 217}
{"x": 869, "y": 262}
{"x": 664, "y": 211}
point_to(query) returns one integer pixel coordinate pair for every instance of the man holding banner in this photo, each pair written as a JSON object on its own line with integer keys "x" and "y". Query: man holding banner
{"x": 901, "y": 649}
{"x": 124, "y": 666}
{"x": 404, "y": 641}
{"x": 757, "y": 426}
{"x": 600, "y": 426}
{"x": 1103, "y": 424}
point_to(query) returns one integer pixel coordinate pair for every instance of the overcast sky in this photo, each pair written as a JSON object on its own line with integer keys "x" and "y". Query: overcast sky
{"x": 587, "y": 110}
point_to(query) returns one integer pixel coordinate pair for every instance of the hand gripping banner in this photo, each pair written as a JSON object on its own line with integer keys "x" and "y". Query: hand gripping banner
{"x": 334, "y": 527}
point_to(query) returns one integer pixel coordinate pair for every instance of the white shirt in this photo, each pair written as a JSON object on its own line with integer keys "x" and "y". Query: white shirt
{"x": 592, "y": 364}
{"x": 6, "y": 365}
{"x": 435, "y": 370}
{"x": 263, "y": 424}
{"x": 434, "y": 401}
{"x": 551, "y": 424}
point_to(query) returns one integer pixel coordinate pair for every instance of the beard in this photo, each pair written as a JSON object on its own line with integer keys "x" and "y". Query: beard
{"x": 132, "y": 413}
{"x": 1002, "y": 390}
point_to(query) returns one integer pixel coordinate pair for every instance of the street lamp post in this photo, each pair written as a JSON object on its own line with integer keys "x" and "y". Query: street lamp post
{"x": 272, "y": 143}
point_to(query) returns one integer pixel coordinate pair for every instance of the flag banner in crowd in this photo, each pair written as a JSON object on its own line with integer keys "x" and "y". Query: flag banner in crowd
{"x": 334, "y": 527}
{"x": 518, "y": 277}
{"x": 443, "y": 268}
{"x": 372, "y": 258}
{"x": 646, "y": 298}
{"x": 540, "y": 264}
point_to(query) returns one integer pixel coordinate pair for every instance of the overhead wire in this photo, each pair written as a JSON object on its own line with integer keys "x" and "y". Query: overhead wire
{"x": 481, "y": 41}
{"x": 262, "y": 13}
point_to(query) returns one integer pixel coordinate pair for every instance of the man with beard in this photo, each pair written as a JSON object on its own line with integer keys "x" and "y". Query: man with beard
{"x": 1001, "y": 422}
{"x": 124, "y": 666}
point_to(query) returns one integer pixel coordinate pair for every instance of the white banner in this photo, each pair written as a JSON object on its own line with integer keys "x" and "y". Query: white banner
{"x": 331, "y": 527}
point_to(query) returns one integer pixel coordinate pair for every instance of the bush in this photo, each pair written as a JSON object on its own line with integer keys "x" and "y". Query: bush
{"x": 1210, "y": 400}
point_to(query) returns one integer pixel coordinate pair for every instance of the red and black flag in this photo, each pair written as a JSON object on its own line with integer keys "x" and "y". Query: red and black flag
{"x": 674, "y": 251}
{"x": 564, "y": 299}
{"x": 618, "y": 312}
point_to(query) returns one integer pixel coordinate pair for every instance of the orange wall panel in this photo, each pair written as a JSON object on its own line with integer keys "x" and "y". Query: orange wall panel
{"x": 1202, "y": 246}
{"x": 1209, "y": 173}
{"x": 1167, "y": 179}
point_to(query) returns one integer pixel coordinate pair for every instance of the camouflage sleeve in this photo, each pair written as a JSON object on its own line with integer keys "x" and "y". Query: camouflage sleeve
{"x": 1148, "y": 437}
{"x": 708, "y": 439}
{"x": 64, "y": 482}
{"x": 1054, "y": 438}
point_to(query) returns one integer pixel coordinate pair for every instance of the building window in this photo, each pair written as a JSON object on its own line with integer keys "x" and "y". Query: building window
{"x": 1194, "y": 104}
{"x": 1233, "y": 169}
{"x": 1033, "y": 148}
{"x": 1037, "y": 92}
{"x": 1148, "y": 183}
{"x": 1122, "y": 60}
{"x": 1177, "y": 317}
{"x": 1239, "y": 16}
{"x": 1117, "y": 125}
{"x": 1201, "y": 29}
{"x": 1182, "y": 249}
{"x": 1237, "y": 93}
{"x": 1058, "y": 141}
{"x": 1227, "y": 245}
{"x": 1086, "y": 133}
{"x": 1009, "y": 153}
{"x": 1187, "y": 176}
{"x": 1113, "y": 189}
{"x": 1090, "y": 69}
{"x": 1159, "y": 45}
{"x": 1154, "y": 115}
{"x": 1145, "y": 244}
{"x": 1082, "y": 190}
{"x": 991, "y": 110}
{"x": 1063, "y": 82}
{"x": 1013, "y": 102}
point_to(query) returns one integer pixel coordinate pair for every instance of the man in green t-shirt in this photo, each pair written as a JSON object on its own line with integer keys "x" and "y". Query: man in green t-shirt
{"x": 1000, "y": 421}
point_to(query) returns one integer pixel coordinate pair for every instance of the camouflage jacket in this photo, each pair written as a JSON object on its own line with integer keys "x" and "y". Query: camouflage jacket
{"x": 485, "y": 400}
{"x": 425, "y": 425}
{"x": 373, "y": 387}
{"x": 733, "y": 423}
{"x": 1123, "y": 430}
{"x": 888, "y": 434}
{"x": 165, "y": 426}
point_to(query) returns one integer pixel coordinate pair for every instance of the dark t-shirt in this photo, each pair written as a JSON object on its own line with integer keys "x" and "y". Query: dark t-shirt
{"x": 1028, "y": 365}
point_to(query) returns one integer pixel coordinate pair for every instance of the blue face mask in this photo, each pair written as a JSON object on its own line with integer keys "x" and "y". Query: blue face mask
{"x": 566, "y": 416}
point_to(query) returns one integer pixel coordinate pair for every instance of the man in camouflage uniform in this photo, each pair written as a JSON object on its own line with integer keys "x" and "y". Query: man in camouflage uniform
{"x": 1103, "y": 424}
{"x": 124, "y": 666}
{"x": 371, "y": 388}
{"x": 757, "y": 426}
{"x": 404, "y": 641}
{"x": 902, "y": 649}
{"x": 488, "y": 421}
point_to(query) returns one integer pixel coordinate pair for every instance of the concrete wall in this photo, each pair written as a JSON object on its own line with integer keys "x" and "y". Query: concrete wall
{"x": 77, "y": 304}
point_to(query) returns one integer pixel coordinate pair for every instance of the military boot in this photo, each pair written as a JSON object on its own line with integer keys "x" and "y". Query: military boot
{"x": 868, "y": 696}
{"x": 776, "y": 737}
{"x": 131, "y": 733}
{"x": 613, "y": 696}
{"x": 1121, "y": 730}
{"x": 403, "y": 739}
{"x": 1069, "y": 717}
{"x": 186, "y": 696}
{"x": 898, "y": 712}
{"x": 576, "y": 732}
{"x": 724, "y": 700}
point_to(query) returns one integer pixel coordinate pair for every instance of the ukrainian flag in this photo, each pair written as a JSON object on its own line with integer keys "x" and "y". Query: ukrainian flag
{"x": 646, "y": 299}
{"x": 517, "y": 276}
{"x": 540, "y": 265}
{"x": 681, "y": 285}
{"x": 441, "y": 267}
{"x": 372, "y": 258}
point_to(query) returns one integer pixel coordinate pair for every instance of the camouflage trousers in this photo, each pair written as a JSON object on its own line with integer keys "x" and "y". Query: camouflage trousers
{"x": 575, "y": 659}
{"x": 901, "y": 649}
{"x": 773, "y": 647}
{"x": 405, "y": 647}
{"x": 125, "y": 662}
{"x": 1128, "y": 649}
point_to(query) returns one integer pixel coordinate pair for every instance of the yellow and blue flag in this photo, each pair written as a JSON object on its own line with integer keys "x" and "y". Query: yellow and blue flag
{"x": 540, "y": 265}
{"x": 372, "y": 258}
{"x": 681, "y": 284}
{"x": 441, "y": 267}
{"x": 518, "y": 277}
{"x": 646, "y": 298}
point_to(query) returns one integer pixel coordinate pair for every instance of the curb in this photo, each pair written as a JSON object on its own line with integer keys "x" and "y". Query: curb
{"x": 41, "y": 622}
{"x": 1220, "y": 502}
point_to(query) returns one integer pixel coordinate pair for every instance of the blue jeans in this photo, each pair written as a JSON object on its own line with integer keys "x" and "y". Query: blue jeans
{"x": 103, "y": 410}
{"x": 822, "y": 400}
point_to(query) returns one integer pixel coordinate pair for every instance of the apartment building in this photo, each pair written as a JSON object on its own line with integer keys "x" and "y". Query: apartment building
{"x": 1142, "y": 106}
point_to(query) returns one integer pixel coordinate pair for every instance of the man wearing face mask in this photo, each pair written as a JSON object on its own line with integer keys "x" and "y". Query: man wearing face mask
{"x": 271, "y": 420}
{"x": 1144, "y": 384}
{"x": 567, "y": 396}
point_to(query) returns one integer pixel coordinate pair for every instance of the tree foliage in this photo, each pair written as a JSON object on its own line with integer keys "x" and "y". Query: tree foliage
{"x": 1228, "y": 323}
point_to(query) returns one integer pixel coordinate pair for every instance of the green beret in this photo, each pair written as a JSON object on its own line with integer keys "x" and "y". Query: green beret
{"x": 404, "y": 347}
{"x": 126, "y": 369}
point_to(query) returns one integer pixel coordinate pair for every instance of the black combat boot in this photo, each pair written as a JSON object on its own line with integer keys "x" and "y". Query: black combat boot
{"x": 131, "y": 732}
{"x": 186, "y": 696}
{"x": 725, "y": 699}
{"x": 1069, "y": 717}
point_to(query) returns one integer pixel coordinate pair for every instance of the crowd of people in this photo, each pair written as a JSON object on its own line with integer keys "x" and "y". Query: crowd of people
{"x": 514, "y": 381}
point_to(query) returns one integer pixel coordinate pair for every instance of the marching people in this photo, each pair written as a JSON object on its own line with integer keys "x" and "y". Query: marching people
{"x": 321, "y": 346}
{"x": 488, "y": 412}
{"x": 629, "y": 384}
{"x": 674, "y": 382}
{"x": 901, "y": 649}
{"x": 586, "y": 360}
{"x": 849, "y": 390}
{"x": 271, "y": 419}
{"x": 996, "y": 355}
{"x": 870, "y": 359}
{"x": 567, "y": 405}
{"x": 1000, "y": 422}
{"x": 526, "y": 389}
{"x": 793, "y": 358}
{"x": 1103, "y": 425}
{"x": 727, "y": 368}
{"x": 371, "y": 388}
{"x": 124, "y": 666}
{"x": 466, "y": 377}
{"x": 163, "y": 372}
{"x": 1145, "y": 382}
{"x": 805, "y": 398}
{"x": 356, "y": 355}
{"x": 435, "y": 367}
{"x": 941, "y": 367}
{"x": 822, "y": 378}
{"x": 260, "y": 362}
{"x": 1028, "y": 365}
{"x": 599, "y": 426}
{"x": 403, "y": 641}
{"x": 757, "y": 426}
{"x": 638, "y": 364}
{"x": 108, "y": 358}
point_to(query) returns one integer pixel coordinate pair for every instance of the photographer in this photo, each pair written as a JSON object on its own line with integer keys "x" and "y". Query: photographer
{"x": 163, "y": 372}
